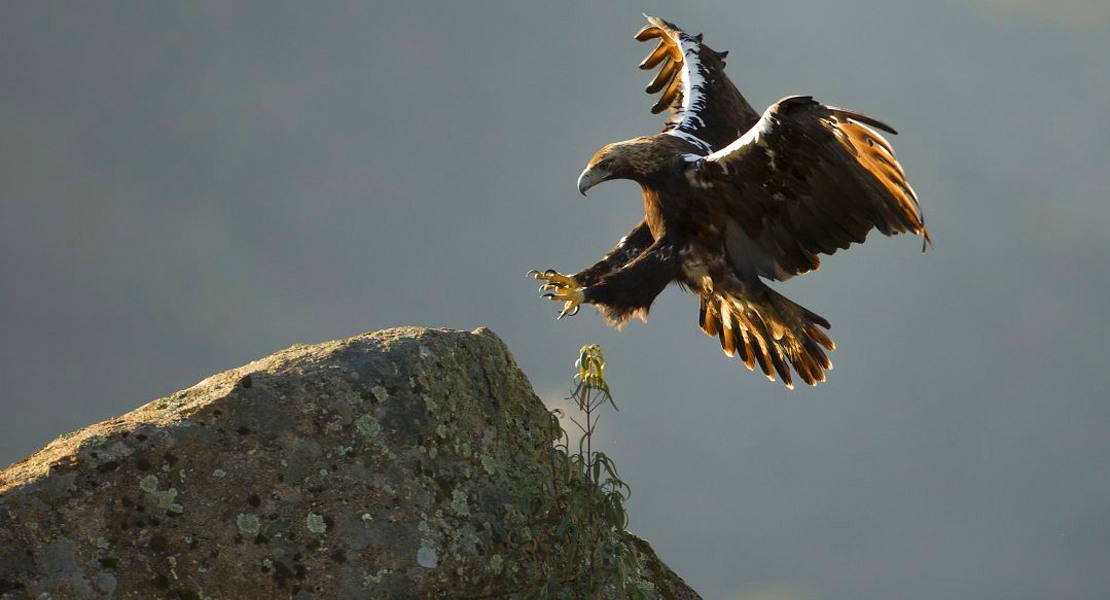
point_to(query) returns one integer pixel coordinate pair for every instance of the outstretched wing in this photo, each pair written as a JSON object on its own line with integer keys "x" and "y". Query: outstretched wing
{"x": 706, "y": 109}
{"x": 806, "y": 179}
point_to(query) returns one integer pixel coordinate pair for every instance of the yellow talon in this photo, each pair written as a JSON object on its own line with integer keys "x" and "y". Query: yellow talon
{"x": 571, "y": 299}
{"x": 561, "y": 288}
{"x": 555, "y": 278}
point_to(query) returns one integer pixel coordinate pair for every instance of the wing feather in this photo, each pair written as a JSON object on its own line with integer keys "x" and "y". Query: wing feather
{"x": 663, "y": 78}
{"x": 663, "y": 50}
{"x": 668, "y": 96}
{"x": 809, "y": 179}
{"x": 706, "y": 108}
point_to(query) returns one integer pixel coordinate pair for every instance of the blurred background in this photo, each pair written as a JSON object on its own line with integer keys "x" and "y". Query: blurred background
{"x": 186, "y": 187}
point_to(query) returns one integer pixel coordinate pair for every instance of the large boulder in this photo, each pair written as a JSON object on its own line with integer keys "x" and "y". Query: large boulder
{"x": 382, "y": 466}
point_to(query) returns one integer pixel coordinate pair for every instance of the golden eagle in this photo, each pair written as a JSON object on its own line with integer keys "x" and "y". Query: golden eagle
{"x": 732, "y": 198}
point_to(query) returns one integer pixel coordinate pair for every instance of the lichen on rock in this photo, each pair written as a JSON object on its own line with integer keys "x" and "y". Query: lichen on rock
{"x": 383, "y": 466}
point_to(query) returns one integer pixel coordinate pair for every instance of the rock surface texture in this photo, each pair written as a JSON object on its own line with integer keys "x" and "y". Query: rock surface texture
{"x": 382, "y": 466}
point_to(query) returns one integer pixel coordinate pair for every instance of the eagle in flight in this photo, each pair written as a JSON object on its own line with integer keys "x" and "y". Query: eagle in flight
{"x": 734, "y": 199}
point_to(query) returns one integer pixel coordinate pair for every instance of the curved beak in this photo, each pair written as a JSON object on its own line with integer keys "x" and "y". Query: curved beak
{"x": 591, "y": 177}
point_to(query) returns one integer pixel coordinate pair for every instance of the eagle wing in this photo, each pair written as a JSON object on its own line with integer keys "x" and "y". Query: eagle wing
{"x": 705, "y": 107}
{"x": 806, "y": 179}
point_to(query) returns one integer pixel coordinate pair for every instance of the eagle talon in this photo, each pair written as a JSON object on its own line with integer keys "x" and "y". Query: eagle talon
{"x": 561, "y": 288}
{"x": 553, "y": 277}
{"x": 572, "y": 299}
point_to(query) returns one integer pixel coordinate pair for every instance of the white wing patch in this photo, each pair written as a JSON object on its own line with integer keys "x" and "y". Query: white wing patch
{"x": 693, "y": 84}
{"x": 686, "y": 118}
{"x": 755, "y": 135}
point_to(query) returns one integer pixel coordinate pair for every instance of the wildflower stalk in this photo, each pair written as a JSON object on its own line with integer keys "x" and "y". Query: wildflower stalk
{"x": 588, "y": 516}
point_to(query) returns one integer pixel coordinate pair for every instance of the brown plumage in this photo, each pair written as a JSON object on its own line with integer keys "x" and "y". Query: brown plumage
{"x": 732, "y": 199}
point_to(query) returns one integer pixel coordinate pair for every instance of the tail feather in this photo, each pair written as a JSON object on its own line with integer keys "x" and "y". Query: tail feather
{"x": 764, "y": 339}
{"x": 764, "y": 327}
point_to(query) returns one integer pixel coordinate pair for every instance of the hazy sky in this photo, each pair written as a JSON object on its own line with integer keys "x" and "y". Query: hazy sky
{"x": 185, "y": 187}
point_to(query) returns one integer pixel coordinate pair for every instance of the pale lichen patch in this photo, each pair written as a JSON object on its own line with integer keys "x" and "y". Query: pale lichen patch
{"x": 248, "y": 523}
{"x": 368, "y": 426}
{"x": 459, "y": 504}
{"x": 376, "y": 578}
{"x": 316, "y": 523}
{"x": 149, "y": 484}
{"x": 166, "y": 499}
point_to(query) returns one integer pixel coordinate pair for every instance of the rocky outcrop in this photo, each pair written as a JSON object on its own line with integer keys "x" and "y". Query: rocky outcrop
{"x": 382, "y": 466}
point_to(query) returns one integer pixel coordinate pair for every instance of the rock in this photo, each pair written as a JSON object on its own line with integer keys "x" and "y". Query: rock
{"x": 384, "y": 466}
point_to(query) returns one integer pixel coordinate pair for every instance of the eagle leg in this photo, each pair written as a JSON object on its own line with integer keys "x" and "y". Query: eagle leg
{"x": 630, "y": 290}
{"x": 626, "y": 292}
{"x": 572, "y": 290}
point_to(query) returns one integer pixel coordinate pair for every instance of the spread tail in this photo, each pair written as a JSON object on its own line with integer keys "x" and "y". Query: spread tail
{"x": 762, "y": 326}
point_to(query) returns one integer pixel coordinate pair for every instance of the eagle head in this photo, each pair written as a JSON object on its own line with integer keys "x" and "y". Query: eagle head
{"x": 632, "y": 159}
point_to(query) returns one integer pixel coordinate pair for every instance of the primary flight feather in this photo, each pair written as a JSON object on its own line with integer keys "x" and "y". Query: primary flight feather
{"x": 733, "y": 198}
